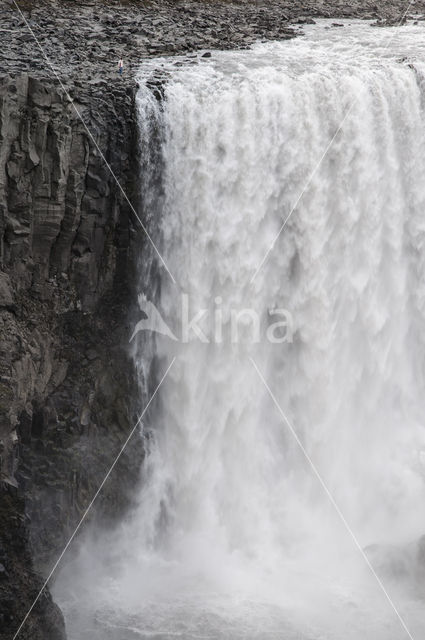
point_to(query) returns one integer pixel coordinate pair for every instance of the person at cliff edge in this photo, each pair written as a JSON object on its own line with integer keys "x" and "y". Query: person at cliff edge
{"x": 120, "y": 66}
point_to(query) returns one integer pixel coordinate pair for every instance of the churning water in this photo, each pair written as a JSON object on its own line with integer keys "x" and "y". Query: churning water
{"x": 234, "y": 535}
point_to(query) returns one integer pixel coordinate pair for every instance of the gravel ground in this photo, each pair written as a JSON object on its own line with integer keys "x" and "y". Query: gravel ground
{"x": 83, "y": 40}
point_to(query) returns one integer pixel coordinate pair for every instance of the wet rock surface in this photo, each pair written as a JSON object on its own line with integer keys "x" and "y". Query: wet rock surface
{"x": 68, "y": 247}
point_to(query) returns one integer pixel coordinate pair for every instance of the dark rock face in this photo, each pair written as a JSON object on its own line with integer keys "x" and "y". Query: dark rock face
{"x": 67, "y": 385}
{"x": 19, "y": 585}
{"x": 68, "y": 247}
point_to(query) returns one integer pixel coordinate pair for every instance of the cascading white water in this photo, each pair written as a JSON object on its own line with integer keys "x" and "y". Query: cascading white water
{"x": 235, "y": 536}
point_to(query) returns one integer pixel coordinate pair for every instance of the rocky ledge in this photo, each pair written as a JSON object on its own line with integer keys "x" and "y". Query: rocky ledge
{"x": 68, "y": 247}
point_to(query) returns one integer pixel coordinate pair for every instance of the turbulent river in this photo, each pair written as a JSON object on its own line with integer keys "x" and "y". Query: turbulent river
{"x": 283, "y": 494}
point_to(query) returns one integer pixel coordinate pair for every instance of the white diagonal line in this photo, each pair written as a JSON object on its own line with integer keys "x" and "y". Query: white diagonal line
{"x": 319, "y": 163}
{"x": 93, "y": 500}
{"x": 52, "y": 68}
{"x": 330, "y": 497}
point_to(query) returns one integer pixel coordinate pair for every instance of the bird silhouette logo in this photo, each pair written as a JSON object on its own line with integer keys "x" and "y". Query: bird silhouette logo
{"x": 153, "y": 320}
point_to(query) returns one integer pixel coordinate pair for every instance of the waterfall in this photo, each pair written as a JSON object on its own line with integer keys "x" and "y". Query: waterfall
{"x": 235, "y": 536}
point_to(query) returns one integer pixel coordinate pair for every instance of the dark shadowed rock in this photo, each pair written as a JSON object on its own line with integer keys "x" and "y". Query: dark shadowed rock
{"x": 65, "y": 287}
{"x": 6, "y": 296}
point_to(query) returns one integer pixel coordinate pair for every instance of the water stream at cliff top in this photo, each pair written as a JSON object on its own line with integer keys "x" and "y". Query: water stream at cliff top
{"x": 233, "y": 536}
